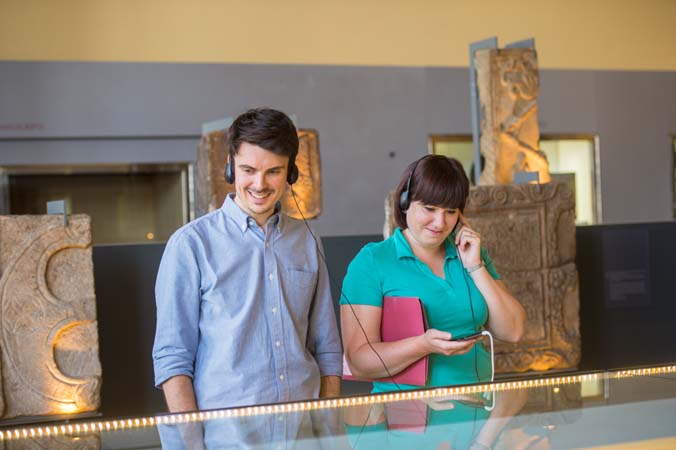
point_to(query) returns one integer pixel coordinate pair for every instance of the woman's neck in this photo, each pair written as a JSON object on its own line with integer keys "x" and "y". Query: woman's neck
{"x": 422, "y": 252}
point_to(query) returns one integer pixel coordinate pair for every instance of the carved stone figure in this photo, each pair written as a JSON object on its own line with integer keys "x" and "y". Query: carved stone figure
{"x": 48, "y": 328}
{"x": 529, "y": 232}
{"x": 211, "y": 187}
{"x": 507, "y": 80}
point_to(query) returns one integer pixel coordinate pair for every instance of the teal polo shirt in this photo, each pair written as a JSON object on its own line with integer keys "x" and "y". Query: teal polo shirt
{"x": 389, "y": 268}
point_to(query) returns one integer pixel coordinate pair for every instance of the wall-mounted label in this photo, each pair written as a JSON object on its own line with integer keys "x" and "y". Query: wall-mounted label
{"x": 626, "y": 267}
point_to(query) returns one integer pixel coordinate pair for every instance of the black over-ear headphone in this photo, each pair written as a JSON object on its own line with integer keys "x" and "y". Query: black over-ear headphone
{"x": 405, "y": 196}
{"x": 291, "y": 173}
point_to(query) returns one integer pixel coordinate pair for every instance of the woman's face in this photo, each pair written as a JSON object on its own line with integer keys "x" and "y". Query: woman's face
{"x": 429, "y": 226}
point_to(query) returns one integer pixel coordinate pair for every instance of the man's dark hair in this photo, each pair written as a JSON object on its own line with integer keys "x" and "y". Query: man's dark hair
{"x": 267, "y": 128}
{"x": 437, "y": 181}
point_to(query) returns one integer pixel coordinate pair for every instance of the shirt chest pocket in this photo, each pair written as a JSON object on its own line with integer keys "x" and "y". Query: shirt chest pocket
{"x": 299, "y": 290}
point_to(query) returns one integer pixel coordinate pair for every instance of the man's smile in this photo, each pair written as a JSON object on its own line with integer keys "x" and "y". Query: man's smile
{"x": 259, "y": 195}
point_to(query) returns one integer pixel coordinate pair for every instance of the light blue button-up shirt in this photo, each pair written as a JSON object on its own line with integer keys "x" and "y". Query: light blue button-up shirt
{"x": 246, "y": 314}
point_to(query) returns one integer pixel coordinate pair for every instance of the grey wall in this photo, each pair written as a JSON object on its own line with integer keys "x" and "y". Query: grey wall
{"x": 152, "y": 113}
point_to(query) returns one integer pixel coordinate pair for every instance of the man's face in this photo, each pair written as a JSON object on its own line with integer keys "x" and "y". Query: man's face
{"x": 260, "y": 180}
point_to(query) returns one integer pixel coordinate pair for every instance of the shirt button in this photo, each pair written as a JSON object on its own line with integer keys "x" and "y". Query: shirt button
{"x": 271, "y": 277}
{"x": 277, "y": 343}
{"x": 281, "y": 377}
{"x": 274, "y": 309}
{"x": 280, "y": 417}
{"x": 244, "y": 227}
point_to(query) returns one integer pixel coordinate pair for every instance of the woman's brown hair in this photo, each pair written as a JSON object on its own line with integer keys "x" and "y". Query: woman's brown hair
{"x": 436, "y": 180}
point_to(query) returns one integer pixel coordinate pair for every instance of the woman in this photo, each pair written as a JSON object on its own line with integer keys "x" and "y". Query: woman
{"x": 436, "y": 256}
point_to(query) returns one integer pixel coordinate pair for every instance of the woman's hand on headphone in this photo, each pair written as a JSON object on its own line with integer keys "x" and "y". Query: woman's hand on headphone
{"x": 468, "y": 243}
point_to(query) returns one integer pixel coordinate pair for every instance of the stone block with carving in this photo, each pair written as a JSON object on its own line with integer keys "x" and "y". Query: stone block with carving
{"x": 529, "y": 232}
{"x": 507, "y": 80}
{"x": 49, "y": 337}
{"x": 211, "y": 187}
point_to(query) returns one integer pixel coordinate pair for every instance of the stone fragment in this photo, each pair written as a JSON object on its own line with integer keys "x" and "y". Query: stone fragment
{"x": 507, "y": 80}
{"x": 48, "y": 328}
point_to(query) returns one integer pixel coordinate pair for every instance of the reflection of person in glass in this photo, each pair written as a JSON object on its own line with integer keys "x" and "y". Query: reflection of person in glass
{"x": 436, "y": 256}
{"x": 460, "y": 422}
{"x": 299, "y": 430}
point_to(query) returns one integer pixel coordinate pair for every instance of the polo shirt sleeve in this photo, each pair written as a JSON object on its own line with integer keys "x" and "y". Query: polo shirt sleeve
{"x": 490, "y": 265}
{"x": 363, "y": 284}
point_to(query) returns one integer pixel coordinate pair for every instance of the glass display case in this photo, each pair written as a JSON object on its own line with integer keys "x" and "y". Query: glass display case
{"x": 633, "y": 408}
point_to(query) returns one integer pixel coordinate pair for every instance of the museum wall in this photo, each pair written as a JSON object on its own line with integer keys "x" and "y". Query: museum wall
{"x": 575, "y": 34}
{"x": 372, "y": 121}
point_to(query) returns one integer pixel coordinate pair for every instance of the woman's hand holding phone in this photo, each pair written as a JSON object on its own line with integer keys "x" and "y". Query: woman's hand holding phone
{"x": 442, "y": 342}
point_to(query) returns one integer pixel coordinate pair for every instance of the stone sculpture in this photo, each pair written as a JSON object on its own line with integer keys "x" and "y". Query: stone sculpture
{"x": 48, "y": 328}
{"x": 508, "y": 80}
{"x": 529, "y": 232}
{"x": 211, "y": 187}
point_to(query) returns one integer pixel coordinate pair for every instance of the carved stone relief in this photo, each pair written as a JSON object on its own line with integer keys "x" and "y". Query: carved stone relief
{"x": 529, "y": 232}
{"x": 508, "y": 80}
{"x": 48, "y": 328}
{"x": 211, "y": 187}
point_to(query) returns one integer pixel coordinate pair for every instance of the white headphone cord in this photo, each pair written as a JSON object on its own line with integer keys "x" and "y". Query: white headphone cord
{"x": 490, "y": 338}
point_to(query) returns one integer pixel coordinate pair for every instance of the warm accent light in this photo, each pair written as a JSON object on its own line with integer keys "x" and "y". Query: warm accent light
{"x": 199, "y": 416}
{"x": 68, "y": 408}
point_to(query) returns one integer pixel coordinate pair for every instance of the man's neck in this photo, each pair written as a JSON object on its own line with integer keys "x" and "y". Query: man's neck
{"x": 260, "y": 219}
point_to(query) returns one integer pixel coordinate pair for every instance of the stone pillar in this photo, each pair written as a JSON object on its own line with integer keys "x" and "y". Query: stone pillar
{"x": 48, "y": 328}
{"x": 508, "y": 80}
{"x": 211, "y": 188}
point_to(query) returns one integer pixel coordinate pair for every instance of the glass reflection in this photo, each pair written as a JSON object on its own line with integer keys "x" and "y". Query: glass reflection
{"x": 298, "y": 430}
{"x": 598, "y": 409}
{"x": 461, "y": 421}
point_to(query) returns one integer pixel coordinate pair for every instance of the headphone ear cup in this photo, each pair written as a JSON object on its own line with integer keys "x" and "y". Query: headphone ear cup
{"x": 229, "y": 172}
{"x": 292, "y": 175}
{"x": 403, "y": 200}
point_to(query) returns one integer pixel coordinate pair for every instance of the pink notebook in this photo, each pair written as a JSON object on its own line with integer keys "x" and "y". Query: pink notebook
{"x": 402, "y": 317}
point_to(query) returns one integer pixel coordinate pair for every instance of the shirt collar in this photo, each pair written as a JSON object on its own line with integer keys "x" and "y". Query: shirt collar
{"x": 243, "y": 220}
{"x": 404, "y": 249}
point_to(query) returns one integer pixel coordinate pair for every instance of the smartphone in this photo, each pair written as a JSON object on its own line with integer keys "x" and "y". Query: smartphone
{"x": 466, "y": 337}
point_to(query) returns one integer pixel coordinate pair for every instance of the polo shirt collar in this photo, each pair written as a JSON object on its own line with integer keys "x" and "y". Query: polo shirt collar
{"x": 404, "y": 249}
{"x": 245, "y": 221}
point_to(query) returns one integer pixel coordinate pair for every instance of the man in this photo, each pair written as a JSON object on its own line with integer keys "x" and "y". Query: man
{"x": 244, "y": 309}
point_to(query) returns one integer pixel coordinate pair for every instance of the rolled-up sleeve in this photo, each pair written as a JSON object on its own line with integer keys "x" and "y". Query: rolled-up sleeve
{"x": 323, "y": 338}
{"x": 177, "y": 295}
